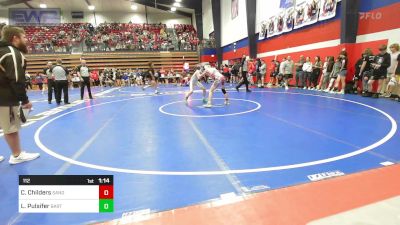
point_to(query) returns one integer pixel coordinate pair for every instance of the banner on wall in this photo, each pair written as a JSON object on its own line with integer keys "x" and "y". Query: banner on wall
{"x": 287, "y": 15}
{"x": 234, "y": 8}
{"x": 263, "y": 30}
{"x": 312, "y": 11}
{"x": 288, "y": 20}
{"x": 271, "y": 30}
{"x": 299, "y": 14}
{"x": 295, "y": 14}
{"x": 327, "y": 9}
{"x": 306, "y": 12}
{"x": 280, "y": 22}
{"x": 32, "y": 17}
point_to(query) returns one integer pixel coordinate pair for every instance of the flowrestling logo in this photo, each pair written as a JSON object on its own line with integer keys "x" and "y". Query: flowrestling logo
{"x": 325, "y": 175}
{"x": 34, "y": 16}
{"x": 370, "y": 15}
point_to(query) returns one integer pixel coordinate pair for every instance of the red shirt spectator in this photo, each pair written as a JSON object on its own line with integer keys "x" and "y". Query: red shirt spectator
{"x": 273, "y": 66}
{"x": 94, "y": 75}
{"x": 251, "y": 67}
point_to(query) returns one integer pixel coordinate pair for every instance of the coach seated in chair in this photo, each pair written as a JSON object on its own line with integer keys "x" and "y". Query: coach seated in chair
{"x": 75, "y": 81}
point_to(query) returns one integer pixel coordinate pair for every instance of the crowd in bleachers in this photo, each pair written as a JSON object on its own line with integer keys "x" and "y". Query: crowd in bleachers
{"x": 111, "y": 37}
{"x": 60, "y": 38}
{"x": 117, "y": 36}
{"x": 187, "y": 39}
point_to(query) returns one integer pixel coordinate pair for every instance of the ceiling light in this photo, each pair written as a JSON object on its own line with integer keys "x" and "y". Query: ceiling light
{"x": 178, "y": 0}
{"x": 43, "y": 6}
{"x": 173, "y": 9}
{"x": 91, "y": 7}
{"x": 134, "y": 7}
{"x": 177, "y": 4}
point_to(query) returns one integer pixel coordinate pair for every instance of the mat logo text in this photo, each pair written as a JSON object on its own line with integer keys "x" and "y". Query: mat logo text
{"x": 325, "y": 175}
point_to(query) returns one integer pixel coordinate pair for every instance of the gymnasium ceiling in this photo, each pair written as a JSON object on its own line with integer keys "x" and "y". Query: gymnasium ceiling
{"x": 106, "y": 5}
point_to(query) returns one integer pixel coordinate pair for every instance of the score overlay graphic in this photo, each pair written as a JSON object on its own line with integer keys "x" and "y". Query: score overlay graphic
{"x": 66, "y": 193}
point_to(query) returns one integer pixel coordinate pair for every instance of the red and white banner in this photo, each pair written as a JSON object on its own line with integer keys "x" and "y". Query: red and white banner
{"x": 271, "y": 27}
{"x": 299, "y": 14}
{"x": 306, "y": 12}
{"x": 288, "y": 20}
{"x": 327, "y": 9}
{"x": 280, "y": 22}
{"x": 312, "y": 11}
{"x": 263, "y": 30}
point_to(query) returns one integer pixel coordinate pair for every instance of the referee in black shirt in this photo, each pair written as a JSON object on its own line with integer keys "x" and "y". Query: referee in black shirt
{"x": 244, "y": 69}
{"x": 84, "y": 73}
{"x": 51, "y": 86}
{"x": 60, "y": 74}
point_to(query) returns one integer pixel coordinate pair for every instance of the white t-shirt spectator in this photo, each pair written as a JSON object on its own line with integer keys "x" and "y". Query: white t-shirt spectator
{"x": 186, "y": 66}
{"x": 393, "y": 62}
{"x": 307, "y": 67}
{"x": 282, "y": 67}
{"x": 325, "y": 68}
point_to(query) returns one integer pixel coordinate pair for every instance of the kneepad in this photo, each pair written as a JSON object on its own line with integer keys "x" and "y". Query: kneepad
{"x": 223, "y": 90}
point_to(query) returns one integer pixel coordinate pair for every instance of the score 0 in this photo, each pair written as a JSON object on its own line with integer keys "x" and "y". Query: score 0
{"x": 106, "y": 198}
